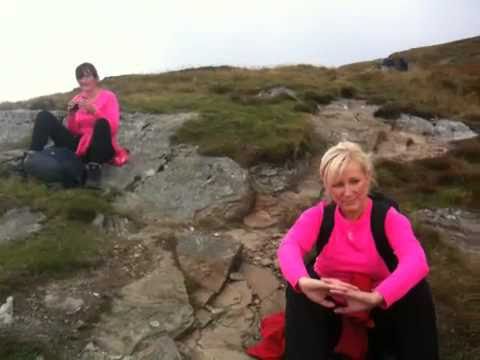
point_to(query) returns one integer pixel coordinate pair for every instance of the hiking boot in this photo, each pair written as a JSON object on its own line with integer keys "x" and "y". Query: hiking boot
{"x": 93, "y": 175}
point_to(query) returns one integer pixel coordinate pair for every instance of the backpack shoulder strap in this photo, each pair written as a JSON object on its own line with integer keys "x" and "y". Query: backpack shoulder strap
{"x": 378, "y": 216}
{"x": 326, "y": 228}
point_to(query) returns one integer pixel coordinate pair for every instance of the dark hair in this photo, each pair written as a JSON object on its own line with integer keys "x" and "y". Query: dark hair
{"x": 85, "y": 69}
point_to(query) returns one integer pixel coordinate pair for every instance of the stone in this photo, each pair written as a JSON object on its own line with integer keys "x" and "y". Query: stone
{"x": 235, "y": 295}
{"x": 195, "y": 188}
{"x": 458, "y": 227}
{"x": 159, "y": 296}
{"x": 259, "y": 220}
{"x": 6, "y": 312}
{"x": 414, "y": 124}
{"x": 68, "y": 305}
{"x": 262, "y": 281}
{"x": 147, "y": 137}
{"x": 17, "y": 127}
{"x": 449, "y": 130}
{"x": 207, "y": 260}
{"x": 17, "y": 224}
{"x": 163, "y": 348}
{"x": 278, "y": 91}
{"x": 269, "y": 179}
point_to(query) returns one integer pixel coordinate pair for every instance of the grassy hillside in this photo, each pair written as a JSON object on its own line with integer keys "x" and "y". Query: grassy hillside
{"x": 236, "y": 122}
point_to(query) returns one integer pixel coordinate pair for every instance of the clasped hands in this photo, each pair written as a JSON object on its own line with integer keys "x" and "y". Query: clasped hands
{"x": 80, "y": 103}
{"x": 322, "y": 291}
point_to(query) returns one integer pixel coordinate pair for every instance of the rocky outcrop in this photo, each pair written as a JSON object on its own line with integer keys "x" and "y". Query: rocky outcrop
{"x": 207, "y": 260}
{"x": 191, "y": 187}
{"x": 458, "y": 227}
{"x": 154, "y": 305}
{"x": 440, "y": 129}
{"x": 17, "y": 224}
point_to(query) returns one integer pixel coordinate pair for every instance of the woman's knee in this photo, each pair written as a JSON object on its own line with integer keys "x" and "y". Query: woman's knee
{"x": 102, "y": 125}
{"x": 45, "y": 116}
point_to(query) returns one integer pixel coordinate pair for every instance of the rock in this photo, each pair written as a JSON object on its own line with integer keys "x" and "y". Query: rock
{"x": 449, "y": 130}
{"x": 17, "y": 127}
{"x": 193, "y": 188}
{"x": 236, "y": 276}
{"x": 160, "y": 296}
{"x": 259, "y": 220}
{"x": 273, "y": 303}
{"x": 147, "y": 137}
{"x": 68, "y": 305}
{"x": 236, "y": 295}
{"x": 269, "y": 179}
{"x": 19, "y": 223}
{"x": 262, "y": 281}
{"x": 414, "y": 124}
{"x": 458, "y": 227}
{"x": 6, "y": 312}
{"x": 277, "y": 91}
{"x": 163, "y": 348}
{"x": 207, "y": 261}
{"x": 219, "y": 354}
{"x": 251, "y": 240}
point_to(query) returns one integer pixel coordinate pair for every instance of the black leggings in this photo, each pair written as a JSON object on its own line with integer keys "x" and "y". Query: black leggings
{"x": 407, "y": 330}
{"x": 47, "y": 126}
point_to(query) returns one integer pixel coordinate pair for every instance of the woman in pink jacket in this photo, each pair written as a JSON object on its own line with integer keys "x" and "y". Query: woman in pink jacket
{"x": 319, "y": 296}
{"x": 92, "y": 125}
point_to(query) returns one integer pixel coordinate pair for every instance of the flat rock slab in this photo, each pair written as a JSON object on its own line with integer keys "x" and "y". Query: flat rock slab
{"x": 156, "y": 304}
{"x": 17, "y": 224}
{"x": 16, "y": 127}
{"x": 195, "y": 188}
{"x": 262, "y": 280}
{"x": 206, "y": 261}
{"x": 147, "y": 137}
{"x": 459, "y": 227}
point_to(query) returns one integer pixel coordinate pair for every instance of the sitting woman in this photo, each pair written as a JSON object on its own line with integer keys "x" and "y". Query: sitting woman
{"x": 92, "y": 126}
{"x": 321, "y": 297}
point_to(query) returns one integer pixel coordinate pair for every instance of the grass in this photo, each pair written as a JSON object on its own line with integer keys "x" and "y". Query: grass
{"x": 452, "y": 180}
{"x": 67, "y": 241}
{"x": 14, "y": 349}
{"x": 456, "y": 290}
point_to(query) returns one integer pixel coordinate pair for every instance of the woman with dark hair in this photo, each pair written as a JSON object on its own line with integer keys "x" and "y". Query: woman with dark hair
{"x": 92, "y": 126}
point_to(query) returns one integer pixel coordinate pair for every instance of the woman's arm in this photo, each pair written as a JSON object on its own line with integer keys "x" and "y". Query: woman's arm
{"x": 299, "y": 239}
{"x": 412, "y": 263}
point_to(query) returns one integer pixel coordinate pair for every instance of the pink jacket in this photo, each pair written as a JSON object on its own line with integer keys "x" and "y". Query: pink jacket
{"x": 82, "y": 123}
{"x": 351, "y": 249}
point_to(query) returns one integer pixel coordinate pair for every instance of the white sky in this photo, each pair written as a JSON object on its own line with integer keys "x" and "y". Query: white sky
{"x": 43, "y": 41}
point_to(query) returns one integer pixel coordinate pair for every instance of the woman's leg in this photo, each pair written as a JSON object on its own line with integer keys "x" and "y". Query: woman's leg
{"x": 46, "y": 127}
{"x": 408, "y": 327}
{"x": 311, "y": 330}
{"x": 101, "y": 149}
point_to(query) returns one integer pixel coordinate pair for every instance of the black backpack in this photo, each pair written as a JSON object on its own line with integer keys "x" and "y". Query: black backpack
{"x": 55, "y": 165}
{"x": 381, "y": 204}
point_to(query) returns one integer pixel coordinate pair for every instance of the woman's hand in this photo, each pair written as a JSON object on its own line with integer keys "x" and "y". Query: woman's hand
{"x": 317, "y": 290}
{"x": 87, "y": 106}
{"x": 358, "y": 300}
{"x": 72, "y": 105}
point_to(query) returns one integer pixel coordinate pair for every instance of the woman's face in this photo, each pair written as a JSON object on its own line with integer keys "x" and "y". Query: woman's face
{"x": 88, "y": 83}
{"x": 350, "y": 189}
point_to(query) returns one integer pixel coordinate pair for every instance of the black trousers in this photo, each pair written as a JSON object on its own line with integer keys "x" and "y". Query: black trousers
{"x": 47, "y": 126}
{"x": 405, "y": 331}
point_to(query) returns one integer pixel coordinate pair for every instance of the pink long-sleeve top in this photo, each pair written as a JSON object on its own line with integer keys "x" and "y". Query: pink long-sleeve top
{"x": 82, "y": 122}
{"x": 351, "y": 249}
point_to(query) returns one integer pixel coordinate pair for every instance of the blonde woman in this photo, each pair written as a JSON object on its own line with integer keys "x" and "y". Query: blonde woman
{"x": 352, "y": 276}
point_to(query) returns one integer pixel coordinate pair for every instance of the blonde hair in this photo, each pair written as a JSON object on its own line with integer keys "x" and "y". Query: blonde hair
{"x": 337, "y": 157}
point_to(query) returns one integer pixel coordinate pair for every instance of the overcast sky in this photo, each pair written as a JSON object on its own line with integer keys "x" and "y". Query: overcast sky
{"x": 43, "y": 41}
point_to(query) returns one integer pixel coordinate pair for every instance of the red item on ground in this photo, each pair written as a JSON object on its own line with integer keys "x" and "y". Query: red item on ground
{"x": 272, "y": 345}
{"x": 353, "y": 341}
